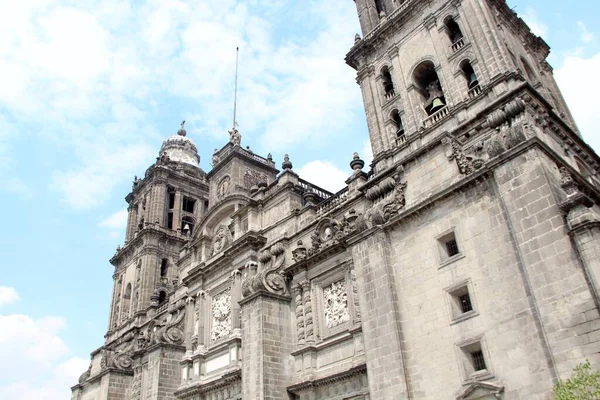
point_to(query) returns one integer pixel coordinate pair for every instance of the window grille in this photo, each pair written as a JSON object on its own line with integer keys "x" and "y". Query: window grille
{"x": 465, "y": 303}
{"x": 478, "y": 360}
{"x": 452, "y": 247}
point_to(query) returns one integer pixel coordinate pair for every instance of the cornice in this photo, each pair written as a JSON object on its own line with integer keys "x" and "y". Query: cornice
{"x": 307, "y": 385}
{"x": 200, "y": 387}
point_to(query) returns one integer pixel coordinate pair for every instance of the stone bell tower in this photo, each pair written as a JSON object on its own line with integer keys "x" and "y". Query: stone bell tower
{"x": 420, "y": 62}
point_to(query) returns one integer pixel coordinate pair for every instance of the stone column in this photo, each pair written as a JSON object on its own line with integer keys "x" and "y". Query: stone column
{"x": 200, "y": 322}
{"x": 236, "y": 296}
{"x": 157, "y": 207}
{"x": 308, "y": 313}
{"x": 131, "y": 222}
{"x": 177, "y": 211}
{"x": 297, "y": 292}
{"x": 383, "y": 335}
{"x": 189, "y": 324}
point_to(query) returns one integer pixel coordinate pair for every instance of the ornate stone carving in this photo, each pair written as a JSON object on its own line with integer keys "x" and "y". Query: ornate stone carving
{"x": 335, "y": 298}
{"x": 223, "y": 187}
{"x": 253, "y": 177}
{"x": 83, "y": 377}
{"x": 467, "y": 164}
{"x": 510, "y": 127}
{"x": 268, "y": 275}
{"x": 136, "y": 386}
{"x": 221, "y": 240}
{"x": 355, "y": 294}
{"x": 215, "y": 158}
{"x": 299, "y": 253}
{"x": 297, "y": 290}
{"x": 221, "y": 315}
{"x": 171, "y": 329}
{"x": 308, "y": 314}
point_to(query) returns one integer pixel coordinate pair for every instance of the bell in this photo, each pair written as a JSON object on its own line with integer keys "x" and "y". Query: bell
{"x": 473, "y": 81}
{"x": 436, "y": 105}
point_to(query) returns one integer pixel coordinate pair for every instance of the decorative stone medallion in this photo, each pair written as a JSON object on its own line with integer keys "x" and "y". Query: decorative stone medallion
{"x": 335, "y": 298}
{"x": 253, "y": 178}
{"x": 223, "y": 187}
{"x": 221, "y": 312}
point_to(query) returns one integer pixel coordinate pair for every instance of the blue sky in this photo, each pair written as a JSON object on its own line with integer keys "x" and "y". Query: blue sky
{"x": 88, "y": 91}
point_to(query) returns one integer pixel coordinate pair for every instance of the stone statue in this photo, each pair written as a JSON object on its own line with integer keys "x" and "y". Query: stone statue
{"x": 235, "y": 137}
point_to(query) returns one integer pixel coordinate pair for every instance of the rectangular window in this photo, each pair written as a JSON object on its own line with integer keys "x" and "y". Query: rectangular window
{"x": 461, "y": 302}
{"x": 478, "y": 360}
{"x": 452, "y": 247}
{"x": 188, "y": 205}
{"x": 448, "y": 247}
{"x": 465, "y": 303}
{"x": 473, "y": 359}
{"x": 170, "y": 220}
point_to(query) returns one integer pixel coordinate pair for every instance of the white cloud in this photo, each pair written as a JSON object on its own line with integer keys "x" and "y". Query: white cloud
{"x": 103, "y": 64}
{"x": 586, "y": 36}
{"x": 8, "y": 295}
{"x": 535, "y": 24}
{"x": 27, "y": 342}
{"x": 366, "y": 154}
{"x": 581, "y": 97}
{"x": 115, "y": 221}
{"x": 324, "y": 174}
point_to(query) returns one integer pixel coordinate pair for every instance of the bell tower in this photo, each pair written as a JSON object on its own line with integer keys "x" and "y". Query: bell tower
{"x": 428, "y": 66}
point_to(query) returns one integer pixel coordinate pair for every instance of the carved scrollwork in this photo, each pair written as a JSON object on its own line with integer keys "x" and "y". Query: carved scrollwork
{"x": 171, "y": 331}
{"x": 299, "y": 253}
{"x": 467, "y": 164}
{"x": 268, "y": 275}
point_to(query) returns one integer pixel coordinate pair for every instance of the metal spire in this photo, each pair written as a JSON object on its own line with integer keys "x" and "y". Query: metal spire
{"x": 237, "y": 54}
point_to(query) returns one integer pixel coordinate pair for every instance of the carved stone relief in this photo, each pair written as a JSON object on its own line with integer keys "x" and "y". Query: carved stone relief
{"x": 252, "y": 178}
{"x": 221, "y": 240}
{"x": 221, "y": 315}
{"x": 267, "y": 275}
{"x": 335, "y": 299}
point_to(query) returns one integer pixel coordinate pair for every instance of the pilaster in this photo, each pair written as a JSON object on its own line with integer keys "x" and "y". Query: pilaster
{"x": 380, "y": 314}
{"x": 268, "y": 343}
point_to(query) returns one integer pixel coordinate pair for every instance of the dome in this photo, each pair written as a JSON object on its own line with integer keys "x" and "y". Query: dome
{"x": 180, "y": 148}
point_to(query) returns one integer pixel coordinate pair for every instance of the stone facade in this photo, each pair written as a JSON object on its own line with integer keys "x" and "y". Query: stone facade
{"x": 463, "y": 265}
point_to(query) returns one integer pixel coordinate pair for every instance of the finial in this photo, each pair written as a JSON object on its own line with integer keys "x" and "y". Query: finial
{"x": 270, "y": 157}
{"x": 287, "y": 164}
{"x": 356, "y": 38}
{"x": 356, "y": 164}
{"x": 181, "y": 131}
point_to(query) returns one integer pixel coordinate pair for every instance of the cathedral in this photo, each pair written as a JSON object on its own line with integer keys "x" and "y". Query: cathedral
{"x": 463, "y": 263}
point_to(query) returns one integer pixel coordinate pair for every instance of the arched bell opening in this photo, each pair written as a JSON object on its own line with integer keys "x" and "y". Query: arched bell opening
{"x": 398, "y": 126}
{"x": 388, "y": 83}
{"x": 428, "y": 84}
{"x": 453, "y": 30}
{"x": 469, "y": 74}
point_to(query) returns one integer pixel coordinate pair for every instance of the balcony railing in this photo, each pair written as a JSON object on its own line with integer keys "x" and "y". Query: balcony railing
{"x": 390, "y": 94}
{"x": 458, "y": 44}
{"x": 475, "y": 91}
{"x": 332, "y": 202}
{"x": 322, "y": 193}
{"x": 435, "y": 117}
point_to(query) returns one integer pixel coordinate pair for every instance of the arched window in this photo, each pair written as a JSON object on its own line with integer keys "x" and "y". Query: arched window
{"x": 388, "y": 83}
{"x": 164, "y": 268}
{"x": 454, "y": 33}
{"x": 187, "y": 225}
{"x": 397, "y": 120}
{"x": 469, "y": 74}
{"x": 162, "y": 297}
{"x": 428, "y": 84}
